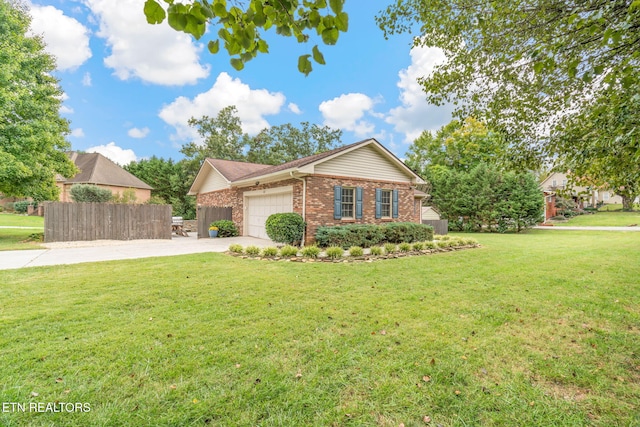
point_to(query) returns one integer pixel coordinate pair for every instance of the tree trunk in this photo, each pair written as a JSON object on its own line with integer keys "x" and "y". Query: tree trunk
{"x": 627, "y": 202}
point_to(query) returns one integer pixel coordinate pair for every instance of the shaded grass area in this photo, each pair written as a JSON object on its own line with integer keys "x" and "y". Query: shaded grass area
{"x": 13, "y": 239}
{"x": 615, "y": 207}
{"x": 620, "y": 219}
{"x": 530, "y": 329}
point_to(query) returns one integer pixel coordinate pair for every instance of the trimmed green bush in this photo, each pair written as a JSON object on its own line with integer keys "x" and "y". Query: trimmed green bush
{"x": 376, "y": 250}
{"x": 270, "y": 251}
{"x": 356, "y": 251}
{"x": 252, "y": 250}
{"x": 389, "y": 248}
{"x": 89, "y": 194}
{"x": 404, "y": 247}
{"x": 288, "y": 251}
{"x": 226, "y": 228}
{"x": 334, "y": 252}
{"x": 430, "y": 245}
{"x": 310, "y": 251}
{"x": 418, "y": 246}
{"x": 285, "y": 228}
{"x": 22, "y": 206}
{"x": 236, "y": 248}
{"x": 367, "y": 235}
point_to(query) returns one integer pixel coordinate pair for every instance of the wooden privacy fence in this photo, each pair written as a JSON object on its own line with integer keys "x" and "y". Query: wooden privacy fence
{"x": 66, "y": 222}
{"x": 207, "y": 214}
{"x": 440, "y": 226}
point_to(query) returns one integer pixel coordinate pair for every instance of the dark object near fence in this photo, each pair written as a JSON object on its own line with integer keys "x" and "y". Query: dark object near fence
{"x": 440, "y": 226}
{"x": 208, "y": 214}
{"x": 67, "y": 222}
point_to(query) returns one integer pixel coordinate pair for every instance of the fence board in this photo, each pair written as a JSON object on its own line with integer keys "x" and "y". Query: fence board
{"x": 207, "y": 214}
{"x": 440, "y": 226}
{"x": 66, "y": 222}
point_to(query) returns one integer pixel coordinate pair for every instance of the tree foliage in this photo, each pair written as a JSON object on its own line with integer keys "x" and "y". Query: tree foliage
{"x": 601, "y": 146}
{"x": 223, "y": 139}
{"x": 485, "y": 198}
{"x": 170, "y": 181}
{"x": 457, "y": 145}
{"x": 522, "y": 65}
{"x": 32, "y": 132}
{"x": 239, "y": 29}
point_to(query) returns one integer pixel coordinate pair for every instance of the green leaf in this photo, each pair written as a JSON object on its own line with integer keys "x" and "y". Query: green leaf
{"x": 342, "y": 22}
{"x": 317, "y": 55}
{"x": 214, "y": 46}
{"x": 194, "y": 26}
{"x": 263, "y": 47}
{"x": 237, "y": 64}
{"x": 304, "y": 65}
{"x": 314, "y": 18}
{"x": 177, "y": 21}
{"x": 154, "y": 12}
{"x": 330, "y": 36}
{"x": 336, "y": 6}
{"x": 220, "y": 9}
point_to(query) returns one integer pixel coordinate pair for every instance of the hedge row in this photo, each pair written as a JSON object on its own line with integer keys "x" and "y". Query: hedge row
{"x": 367, "y": 235}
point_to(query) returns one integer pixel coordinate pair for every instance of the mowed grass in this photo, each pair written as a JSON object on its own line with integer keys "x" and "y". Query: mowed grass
{"x": 620, "y": 219}
{"x": 12, "y": 239}
{"x": 15, "y": 220}
{"x": 529, "y": 330}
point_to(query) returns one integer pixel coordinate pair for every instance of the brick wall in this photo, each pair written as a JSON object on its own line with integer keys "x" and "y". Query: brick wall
{"x": 319, "y": 206}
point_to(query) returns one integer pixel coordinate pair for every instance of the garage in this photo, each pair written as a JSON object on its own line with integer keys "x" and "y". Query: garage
{"x": 260, "y": 206}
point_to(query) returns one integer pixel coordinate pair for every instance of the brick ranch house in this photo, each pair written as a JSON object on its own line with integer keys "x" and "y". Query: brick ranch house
{"x": 360, "y": 183}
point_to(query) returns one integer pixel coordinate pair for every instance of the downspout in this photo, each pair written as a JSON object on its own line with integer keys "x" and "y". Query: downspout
{"x": 304, "y": 203}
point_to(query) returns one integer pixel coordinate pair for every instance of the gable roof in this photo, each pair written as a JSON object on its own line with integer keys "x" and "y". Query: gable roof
{"x": 239, "y": 173}
{"x": 98, "y": 170}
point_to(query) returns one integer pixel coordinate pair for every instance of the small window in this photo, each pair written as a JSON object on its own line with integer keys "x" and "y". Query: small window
{"x": 606, "y": 196}
{"x": 347, "y": 202}
{"x": 385, "y": 203}
{"x": 564, "y": 182}
{"x": 554, "y": 183}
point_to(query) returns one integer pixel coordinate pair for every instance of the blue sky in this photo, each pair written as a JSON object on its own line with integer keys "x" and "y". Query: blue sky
{"x": 131, "y": 87}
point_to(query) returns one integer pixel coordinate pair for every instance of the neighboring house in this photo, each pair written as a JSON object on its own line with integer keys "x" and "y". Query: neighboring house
{"x": 96, "y": 169}
{"x": 559, "y": 183}
{"x": 430, "y": 213}
{"x": 361, "y": 183}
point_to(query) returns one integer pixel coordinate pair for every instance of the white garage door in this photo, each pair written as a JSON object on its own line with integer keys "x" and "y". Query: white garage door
{"x": 260, "y": 207}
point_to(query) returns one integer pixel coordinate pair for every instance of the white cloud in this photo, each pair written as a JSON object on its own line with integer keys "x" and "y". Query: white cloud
{"x": 415, "y": 114}
{"x": 294, "y": 108}
{"x": 77, "y": 133}
{"x": 66, "y": 110}
{"x": 346, "y": 112}
{"x": 252, "y": 106}
{"x": 114, "y": 153}
{"x": 86, "y": 79}
{"x": 138, "y": 133}
{"x": 66, "y": 38}
{"x": 153, "y": 53}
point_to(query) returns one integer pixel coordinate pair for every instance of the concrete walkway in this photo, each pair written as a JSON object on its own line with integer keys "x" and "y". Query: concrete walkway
{"x": 62, "y": 253}
{"x": 595, "y": 228}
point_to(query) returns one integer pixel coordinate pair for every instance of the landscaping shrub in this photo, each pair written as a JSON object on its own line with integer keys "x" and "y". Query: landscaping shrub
{"x": 285, "y": 228}
{"x": 21, "y": 207}
{"x": 89, "y": 194}
{"x": 404, "y": 247}
{"x": 288, "y": 251}
{"x": 334, "y": 252}
{"x": 389, "y": 248}
{"x": 367, "y": 235}
{"x": 270, "y": 251}
{"x": 376, "y": 250}
{"x": 226, "y": 228}
{"x": 418, "y": 246}
{"x": 356, "y": 251}
{"x": 252, "y": 250}
{"x": 430, "y": 245}
{"x": 311, "y": 251}
{"x": 236, "y": 248}
{"x": 442, "y": 238}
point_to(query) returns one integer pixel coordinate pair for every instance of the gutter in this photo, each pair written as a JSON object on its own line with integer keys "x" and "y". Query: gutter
{"x": 304, "y": 202}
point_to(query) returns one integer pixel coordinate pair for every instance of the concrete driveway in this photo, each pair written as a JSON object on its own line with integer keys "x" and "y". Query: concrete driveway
{"x": 62, "y": 253}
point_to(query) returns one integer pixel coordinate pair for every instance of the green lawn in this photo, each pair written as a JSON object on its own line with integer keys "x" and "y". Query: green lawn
{"x": 604, "y": 219}
{"x": 12, "y": 239}
{"x": 614, "y": 207}
{"x": 529, "y": 330}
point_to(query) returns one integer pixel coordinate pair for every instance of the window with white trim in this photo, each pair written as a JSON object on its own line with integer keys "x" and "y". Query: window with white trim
{"x": 348, "y": 202}
{"x": 385, "y": 203}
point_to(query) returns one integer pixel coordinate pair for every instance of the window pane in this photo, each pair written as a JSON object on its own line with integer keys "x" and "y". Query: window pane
{"x": 386, "y": 203}
{"x": 347, "y": 202}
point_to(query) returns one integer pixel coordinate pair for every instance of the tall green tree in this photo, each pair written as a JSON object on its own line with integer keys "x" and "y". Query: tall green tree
{"x": 457, "y": 145}
{"x": 238, "y": 26}
{"x": 284, "y": 143}
{"x": 170, "y": 180}
{"x": 601, "y": 146}
{"x": 32, "y": 133}
{"x": 522, "y": 65}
